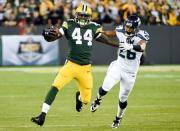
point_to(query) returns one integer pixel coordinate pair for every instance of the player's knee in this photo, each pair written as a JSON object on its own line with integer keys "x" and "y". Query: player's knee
{"x": 124, "y": 95}
{"x": 109, "y": 82}
{"x": 122, "y": 105}
{"x": 123, "y": 98}
{"x": 102, "y": 92}
{"x": 86, "y": 99}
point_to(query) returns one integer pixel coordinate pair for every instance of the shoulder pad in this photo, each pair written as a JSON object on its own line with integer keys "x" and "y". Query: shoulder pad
{"x": 119, "y": 28}
{"x": 99, "y": 30}
{"x": 143, "y": 35}
{"x": 69, "y": 20}
{"x": 65, "y": 24}
{"x": 94, "y": 23}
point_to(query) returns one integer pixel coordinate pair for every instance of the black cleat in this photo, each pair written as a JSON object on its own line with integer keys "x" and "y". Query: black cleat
{"x": 116, "y": 122}
{"x": 79, "y": 104}
{"x": 39, "y": 120}
{"x": 95, "y": 105}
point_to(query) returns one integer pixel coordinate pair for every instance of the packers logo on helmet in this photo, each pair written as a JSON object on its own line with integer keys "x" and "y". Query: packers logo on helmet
{"x": 83, "y": 14}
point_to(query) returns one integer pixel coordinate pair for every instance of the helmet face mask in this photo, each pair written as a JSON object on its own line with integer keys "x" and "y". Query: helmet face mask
{"x": 131, "y": 25}
{"x": 129, "y": 30}
{"x": 82, "y": 19}
{"x": 83, "y": 15}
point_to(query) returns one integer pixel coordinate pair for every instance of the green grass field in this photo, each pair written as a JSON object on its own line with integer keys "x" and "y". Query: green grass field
{"x": 154, "y": 104}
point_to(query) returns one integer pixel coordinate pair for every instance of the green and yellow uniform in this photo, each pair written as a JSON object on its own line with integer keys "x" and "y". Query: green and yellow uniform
{"x": 78, "y": 65}
{"x": 79, "y": 32}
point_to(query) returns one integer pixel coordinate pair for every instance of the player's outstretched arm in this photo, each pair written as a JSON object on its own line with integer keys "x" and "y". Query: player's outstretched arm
{"x": 139, "y": 47}
{"x": 107, "y": 40}
{"x": 51, "y": 34}
{"x": 109, "y": 33}
{"x": 142, "y": 45}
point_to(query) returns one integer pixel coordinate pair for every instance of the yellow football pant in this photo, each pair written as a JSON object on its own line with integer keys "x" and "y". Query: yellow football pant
{"x": 81, "y": 73}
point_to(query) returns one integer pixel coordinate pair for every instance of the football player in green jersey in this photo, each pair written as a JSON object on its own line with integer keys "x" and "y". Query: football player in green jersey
{"x": 79, "y": 32}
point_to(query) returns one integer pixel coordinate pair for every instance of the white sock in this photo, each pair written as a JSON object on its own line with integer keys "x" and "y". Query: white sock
{"x": 120, "y": 112}
{"x": 45, "y": 108}
{"x": 79, "y": 98}
{"x": 99, "y": 96}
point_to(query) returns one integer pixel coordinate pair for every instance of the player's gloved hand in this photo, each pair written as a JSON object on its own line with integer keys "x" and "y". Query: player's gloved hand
{"x": 125, "y": 47}
{"x": 51, "y": 33}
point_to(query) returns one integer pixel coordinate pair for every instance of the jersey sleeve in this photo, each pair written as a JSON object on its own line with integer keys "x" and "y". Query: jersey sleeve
{"x": 119, "y": 34}
{"x": 119, "y": 28}
{"x": 143, "y": 35}
{"x": 64, "y": 28}
{"x": 98, "y": 30}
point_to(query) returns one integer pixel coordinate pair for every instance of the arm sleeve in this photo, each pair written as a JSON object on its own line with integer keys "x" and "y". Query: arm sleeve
{"x": 98, "y": 32}
{"x": 143, "y": 35}
{"x": 119, "y": 34}
{"x": 64, "y": 28}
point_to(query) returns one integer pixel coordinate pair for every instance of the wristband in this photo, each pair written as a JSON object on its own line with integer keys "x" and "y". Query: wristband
{"x": 137, "y": 48}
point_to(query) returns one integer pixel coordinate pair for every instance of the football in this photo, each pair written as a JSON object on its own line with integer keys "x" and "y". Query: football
{"x": 51, "y": 33}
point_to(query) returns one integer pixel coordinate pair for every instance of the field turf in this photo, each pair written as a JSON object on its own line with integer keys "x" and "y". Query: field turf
{"x": 154, "y": 104}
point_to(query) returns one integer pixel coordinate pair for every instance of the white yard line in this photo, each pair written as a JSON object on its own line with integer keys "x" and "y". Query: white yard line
{"x": 53, "y": 116}
{"x": 95, "y": 68}
{"x": 31, "y": 70}
{"x": 29, "y": 126}
{"x": 18, "y": 96}
{"x": 103, "y": 70}
{"x": 157, "y": 76}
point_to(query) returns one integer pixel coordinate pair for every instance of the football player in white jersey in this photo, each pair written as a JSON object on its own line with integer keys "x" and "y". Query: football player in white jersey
{"x": 132, "y": 44}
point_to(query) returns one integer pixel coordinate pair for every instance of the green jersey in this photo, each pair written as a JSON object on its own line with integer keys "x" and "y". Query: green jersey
{"x": 80, "y": 40}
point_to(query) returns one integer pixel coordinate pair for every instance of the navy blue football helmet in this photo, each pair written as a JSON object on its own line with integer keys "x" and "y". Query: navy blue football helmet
{"x": 131, "y": 25}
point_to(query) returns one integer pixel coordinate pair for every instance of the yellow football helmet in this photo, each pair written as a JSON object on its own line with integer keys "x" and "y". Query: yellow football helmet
{"x": 83, "y": 14}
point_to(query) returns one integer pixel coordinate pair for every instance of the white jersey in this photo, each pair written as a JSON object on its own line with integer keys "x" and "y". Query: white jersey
{"x": 130, "y": 60}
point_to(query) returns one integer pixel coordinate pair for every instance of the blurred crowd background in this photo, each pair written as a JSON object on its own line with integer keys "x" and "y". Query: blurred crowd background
{"x": 31, "y": 13}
